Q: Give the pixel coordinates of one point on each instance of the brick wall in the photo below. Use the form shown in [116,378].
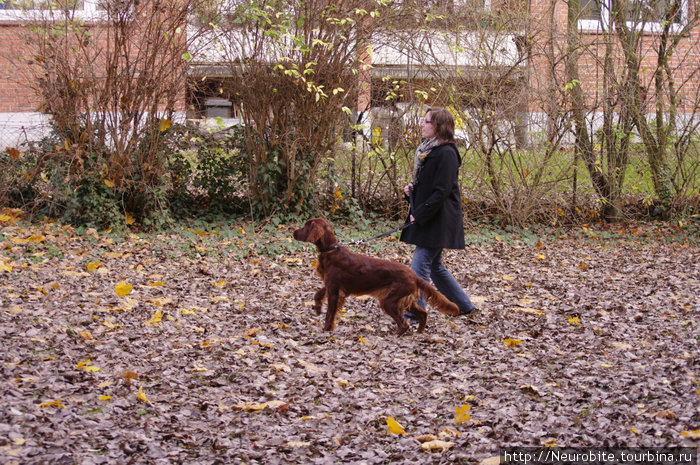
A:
[18,78]
[16,94]
[549,32]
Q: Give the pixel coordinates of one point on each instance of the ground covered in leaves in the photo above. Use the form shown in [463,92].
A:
[201,347]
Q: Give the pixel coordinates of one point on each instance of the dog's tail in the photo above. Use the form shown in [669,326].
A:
[435,298]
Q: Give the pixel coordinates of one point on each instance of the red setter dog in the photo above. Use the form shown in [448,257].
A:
[344,273]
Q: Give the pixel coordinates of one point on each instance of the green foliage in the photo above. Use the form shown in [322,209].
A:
[208,169]
[73,182]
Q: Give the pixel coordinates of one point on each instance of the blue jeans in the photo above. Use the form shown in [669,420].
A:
[427,263]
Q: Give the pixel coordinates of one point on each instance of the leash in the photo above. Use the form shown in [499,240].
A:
[379,236]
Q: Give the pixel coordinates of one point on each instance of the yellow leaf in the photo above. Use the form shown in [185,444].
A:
[248,406]
[461,415]
[156,284]
[93,266]
[53,403]
[81,365]
[165,124]
[5,267]
[221,283]
[362,340]
[540,257]
[108,183]
[184,311]
[105,398]
[394,427]
[109,324]
[122,289]
[695,434]
[606,365]
[437,445]
[91,368]
[508,278]
[634,430]
[512,342]
[129,219]
[155,319]
[574,321]
[142,396]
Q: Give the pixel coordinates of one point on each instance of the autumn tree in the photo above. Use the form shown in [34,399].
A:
[294,70]
[113,84]
[646,82]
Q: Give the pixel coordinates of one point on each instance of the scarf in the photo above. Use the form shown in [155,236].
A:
[421,152]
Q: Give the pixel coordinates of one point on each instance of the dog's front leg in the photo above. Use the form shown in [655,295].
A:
[318,299]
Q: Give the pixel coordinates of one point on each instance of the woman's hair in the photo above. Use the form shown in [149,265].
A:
[443,122]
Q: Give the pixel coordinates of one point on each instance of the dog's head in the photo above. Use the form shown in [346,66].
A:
[318,232]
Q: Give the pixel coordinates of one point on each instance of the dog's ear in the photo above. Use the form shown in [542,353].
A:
[314,231]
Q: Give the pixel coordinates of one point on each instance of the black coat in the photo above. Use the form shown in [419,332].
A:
[437,202]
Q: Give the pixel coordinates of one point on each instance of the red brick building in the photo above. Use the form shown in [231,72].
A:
[21,117]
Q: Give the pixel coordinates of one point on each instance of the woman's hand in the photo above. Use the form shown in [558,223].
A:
[408,188]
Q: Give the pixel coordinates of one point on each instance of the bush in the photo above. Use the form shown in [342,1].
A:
[208,172]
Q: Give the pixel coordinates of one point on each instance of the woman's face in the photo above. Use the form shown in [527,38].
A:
[427,128]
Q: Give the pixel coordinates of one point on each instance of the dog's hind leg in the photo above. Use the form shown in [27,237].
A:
[420,313]
[391,305]
[318,300]
[335,301]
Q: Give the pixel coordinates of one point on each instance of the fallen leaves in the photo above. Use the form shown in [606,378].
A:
[256,406]
[53,403]
[244,369]
[437,444]
[140,395]
[89,368]
[155,319]
[509,342]
[393,426]
[461,415]
[123,289]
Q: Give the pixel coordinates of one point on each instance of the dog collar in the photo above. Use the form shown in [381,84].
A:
[337,245]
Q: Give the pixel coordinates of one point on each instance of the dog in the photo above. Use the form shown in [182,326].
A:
[395,286]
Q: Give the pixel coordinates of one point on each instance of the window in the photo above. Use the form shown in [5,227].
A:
[23,10]
[40,5]
[648,15]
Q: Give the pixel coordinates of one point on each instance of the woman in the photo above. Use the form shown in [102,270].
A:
[437,214]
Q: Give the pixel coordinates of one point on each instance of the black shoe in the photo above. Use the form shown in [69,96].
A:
[410,318]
